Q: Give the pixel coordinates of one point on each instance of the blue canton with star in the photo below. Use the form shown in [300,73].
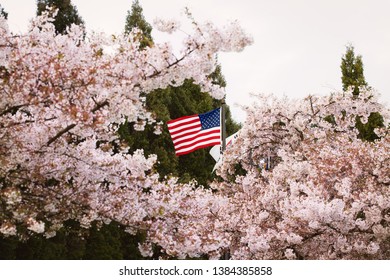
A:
[210,119]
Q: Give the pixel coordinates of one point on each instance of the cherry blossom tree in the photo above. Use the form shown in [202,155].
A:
[62,99]
[326,195]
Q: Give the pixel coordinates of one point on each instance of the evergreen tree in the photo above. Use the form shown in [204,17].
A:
[352,71]
[69,243]
[8,246]
[111,242]
[353,77]
[171,103]
[3,12]
[104,243]
[75,243]
[67,13]
[135,19]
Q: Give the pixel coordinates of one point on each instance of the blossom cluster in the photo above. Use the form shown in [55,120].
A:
[166,26]
[62,100]
[325,196]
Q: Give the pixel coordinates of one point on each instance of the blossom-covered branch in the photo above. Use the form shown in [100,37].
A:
[62,99]
[325,195]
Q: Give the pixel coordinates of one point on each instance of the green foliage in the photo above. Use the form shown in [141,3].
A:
[69,243]
[352,71]
[217,77]
[3,12]
[353,76]
[366,130]
[171,103]
[8,248]
[104,243]
[67,13]
[135,19]
[75,243]
[37,248]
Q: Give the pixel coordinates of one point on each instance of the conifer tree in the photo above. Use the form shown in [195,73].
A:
[104,243]
[353,77]
[136,19]
[171,103]
[67,13]
[352,71]
[3,12]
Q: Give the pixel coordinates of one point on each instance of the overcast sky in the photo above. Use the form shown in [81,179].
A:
[297,48]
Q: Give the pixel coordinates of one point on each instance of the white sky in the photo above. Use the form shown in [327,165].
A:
[297,48]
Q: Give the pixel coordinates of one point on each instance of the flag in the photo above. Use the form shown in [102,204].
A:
[216,151]
[194,132]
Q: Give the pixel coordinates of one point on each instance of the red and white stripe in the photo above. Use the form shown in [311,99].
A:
[187,135]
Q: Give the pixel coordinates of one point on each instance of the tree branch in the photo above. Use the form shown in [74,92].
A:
[156,73]
[12,109]
[99,106]
[71,126]
[60,133]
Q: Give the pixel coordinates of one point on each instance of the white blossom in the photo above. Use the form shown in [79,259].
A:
[8,229]
[35,226]
[168,26]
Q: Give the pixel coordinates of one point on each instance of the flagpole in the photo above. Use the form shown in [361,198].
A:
[223,125]
[223,132]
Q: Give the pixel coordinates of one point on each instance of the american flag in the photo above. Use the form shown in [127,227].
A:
[194,132]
